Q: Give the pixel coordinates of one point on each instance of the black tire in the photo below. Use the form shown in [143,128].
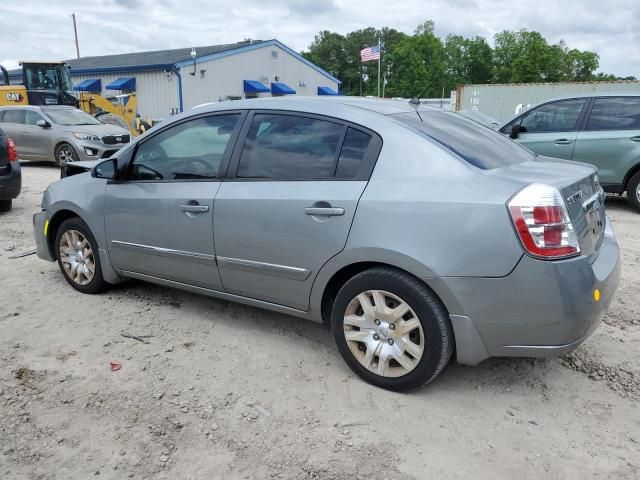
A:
[5,205]
[633,191]
[430,312]
[67,151]
[97,283]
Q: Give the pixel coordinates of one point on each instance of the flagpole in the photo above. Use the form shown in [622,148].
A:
[379,61]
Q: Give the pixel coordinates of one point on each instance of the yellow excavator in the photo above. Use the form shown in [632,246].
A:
[49,83]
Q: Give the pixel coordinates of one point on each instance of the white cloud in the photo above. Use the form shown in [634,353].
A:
[610,28]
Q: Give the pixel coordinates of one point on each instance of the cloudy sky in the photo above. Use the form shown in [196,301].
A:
[42,29]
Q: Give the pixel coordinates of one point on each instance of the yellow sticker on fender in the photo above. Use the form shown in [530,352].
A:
[46,227]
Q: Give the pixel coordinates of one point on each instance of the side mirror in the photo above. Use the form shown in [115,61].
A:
[516,130]
[43,124]
[106,169]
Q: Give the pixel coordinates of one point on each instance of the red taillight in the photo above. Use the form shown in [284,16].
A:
[11,150]
[542,222]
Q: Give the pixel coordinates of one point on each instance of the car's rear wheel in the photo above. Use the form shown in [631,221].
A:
[633,191]
[65,153]
[78,257]
[5,205]
[391,329]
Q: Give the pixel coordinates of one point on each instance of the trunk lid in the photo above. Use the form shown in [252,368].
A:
[578,185]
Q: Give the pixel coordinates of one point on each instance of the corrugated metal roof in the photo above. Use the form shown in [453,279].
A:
[155,59]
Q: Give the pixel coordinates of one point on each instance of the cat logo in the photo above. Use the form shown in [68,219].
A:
[14,97]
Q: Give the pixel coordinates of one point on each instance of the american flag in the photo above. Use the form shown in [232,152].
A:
[370,53]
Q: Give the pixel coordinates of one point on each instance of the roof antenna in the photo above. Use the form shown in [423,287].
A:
[415,101]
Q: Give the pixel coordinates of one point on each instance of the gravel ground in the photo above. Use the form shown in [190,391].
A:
[224,391]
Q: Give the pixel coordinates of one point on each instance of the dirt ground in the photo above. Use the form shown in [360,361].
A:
[223,391]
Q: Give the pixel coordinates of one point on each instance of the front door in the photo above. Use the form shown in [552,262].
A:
[551,129]
[611,138]
[289,207]
[37,138]
[159,221]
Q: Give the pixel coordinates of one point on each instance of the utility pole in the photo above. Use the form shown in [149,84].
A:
[75,31]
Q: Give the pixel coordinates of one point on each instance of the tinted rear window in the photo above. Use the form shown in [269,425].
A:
[615,113]
[481,146]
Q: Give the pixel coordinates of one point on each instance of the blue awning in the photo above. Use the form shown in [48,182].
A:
[91,85]
[278,88]
[128,84]
[254,86]
[327,91]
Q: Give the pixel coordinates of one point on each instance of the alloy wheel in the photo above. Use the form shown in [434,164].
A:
[65,154]
[383,333]
[77,257]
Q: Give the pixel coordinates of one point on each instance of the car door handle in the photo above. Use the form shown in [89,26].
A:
[195,208]
[563,141]
[24,131]
[635,139]
[327,211]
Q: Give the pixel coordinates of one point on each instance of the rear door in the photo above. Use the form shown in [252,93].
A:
[295,182]
[13,124]
[159,219]
[551,129]
[611,138]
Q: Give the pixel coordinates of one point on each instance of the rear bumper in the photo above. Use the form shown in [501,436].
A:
[40,223]
[541,309]
[10,181]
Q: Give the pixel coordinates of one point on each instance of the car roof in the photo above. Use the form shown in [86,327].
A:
[38,107]
[311,104]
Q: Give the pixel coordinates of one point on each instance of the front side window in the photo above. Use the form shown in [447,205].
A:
[554,117]
[31,117]
[615,113]
[189,150]
[14,116]
[290,147]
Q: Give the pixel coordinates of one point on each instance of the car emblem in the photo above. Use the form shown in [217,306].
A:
[575,197]
[118,139]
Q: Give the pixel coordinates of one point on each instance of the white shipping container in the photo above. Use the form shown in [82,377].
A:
[504,101]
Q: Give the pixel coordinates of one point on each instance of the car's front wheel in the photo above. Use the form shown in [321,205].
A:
[78,257]
[633,191]
[65,153]
[391,329]
[5,205]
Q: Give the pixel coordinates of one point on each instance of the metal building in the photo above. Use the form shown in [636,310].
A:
[504,101]
[170,81]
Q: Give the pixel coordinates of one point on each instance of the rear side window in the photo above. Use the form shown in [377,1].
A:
[615,113]
[559,116]
[353,153]
[1,115]
[480,146]
[290,147]
[13,116]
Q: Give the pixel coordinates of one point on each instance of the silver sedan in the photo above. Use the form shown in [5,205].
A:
[414,232]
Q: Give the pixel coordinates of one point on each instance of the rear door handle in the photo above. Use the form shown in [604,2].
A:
[563,141]
[327,211]
[635,139]
[195,208]
[24,131]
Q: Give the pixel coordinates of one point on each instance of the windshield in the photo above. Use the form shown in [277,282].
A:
[69,116]
[479,145]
